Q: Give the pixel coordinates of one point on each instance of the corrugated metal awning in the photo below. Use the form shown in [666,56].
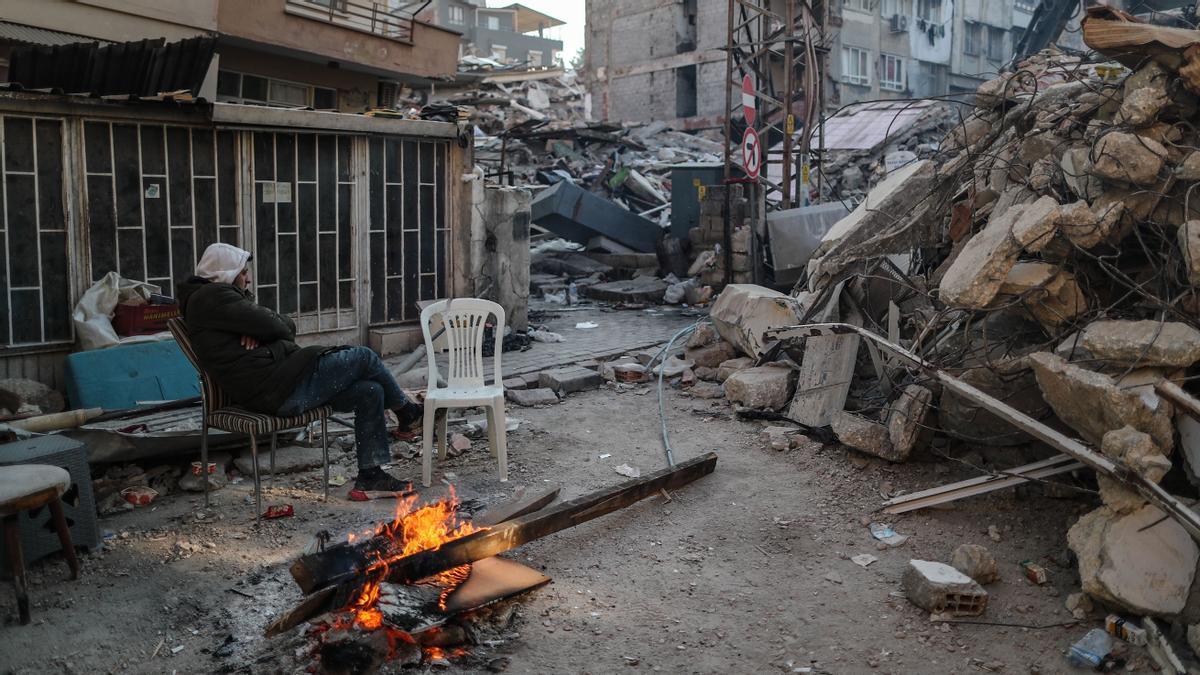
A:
[32,35]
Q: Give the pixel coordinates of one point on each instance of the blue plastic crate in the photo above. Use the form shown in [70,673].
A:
[119,377]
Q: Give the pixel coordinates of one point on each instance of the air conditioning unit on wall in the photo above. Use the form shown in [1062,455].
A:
[898,23]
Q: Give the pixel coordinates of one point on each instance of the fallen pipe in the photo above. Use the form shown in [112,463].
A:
[57,421]
[1153,493]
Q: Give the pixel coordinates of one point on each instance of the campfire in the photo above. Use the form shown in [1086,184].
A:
[404,616]
[428,584]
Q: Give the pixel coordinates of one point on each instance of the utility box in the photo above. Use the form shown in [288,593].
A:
[686,181]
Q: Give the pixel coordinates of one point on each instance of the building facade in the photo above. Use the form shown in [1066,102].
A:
[651,60]
[347,55]
[512,34]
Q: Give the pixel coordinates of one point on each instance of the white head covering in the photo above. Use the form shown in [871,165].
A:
[222,263]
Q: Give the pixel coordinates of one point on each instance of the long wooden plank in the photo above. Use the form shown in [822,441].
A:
[956,491]
[1153,493]
[978,480]
[568,514]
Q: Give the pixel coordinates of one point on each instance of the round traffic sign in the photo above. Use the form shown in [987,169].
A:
[748,100]
[751,153]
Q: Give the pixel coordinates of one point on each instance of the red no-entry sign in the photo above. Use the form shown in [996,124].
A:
[748,100]
[751,154]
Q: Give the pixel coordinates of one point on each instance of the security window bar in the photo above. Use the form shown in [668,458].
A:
[303,208]
[156,197]
[409,231]
[34,287]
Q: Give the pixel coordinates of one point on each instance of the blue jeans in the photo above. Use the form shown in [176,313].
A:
[352,380]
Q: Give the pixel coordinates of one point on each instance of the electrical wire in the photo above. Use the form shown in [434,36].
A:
[662,413]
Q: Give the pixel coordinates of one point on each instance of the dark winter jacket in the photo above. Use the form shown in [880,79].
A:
[217,316]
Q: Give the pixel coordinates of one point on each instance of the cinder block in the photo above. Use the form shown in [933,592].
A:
[940,588]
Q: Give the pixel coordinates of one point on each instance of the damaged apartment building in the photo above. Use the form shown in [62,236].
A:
[877,49]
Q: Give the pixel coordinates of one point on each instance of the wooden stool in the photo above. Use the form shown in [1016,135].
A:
[23,488]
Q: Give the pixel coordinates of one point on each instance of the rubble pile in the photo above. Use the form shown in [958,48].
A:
[848,174]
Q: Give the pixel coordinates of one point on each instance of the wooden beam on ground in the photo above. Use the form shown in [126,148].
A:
[1153,493]
[981,485]
[1175,394]
[505,536]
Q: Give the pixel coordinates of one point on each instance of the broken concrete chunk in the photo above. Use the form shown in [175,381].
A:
[976,275]
[711,355]
[976,562]
[939,588]
[1189,168]
[1076,166]
[644,289]
[1079,605]
[743,312]
[1143,343]
[704,335]
[764,388]
[1189,245]
[16,393]
[570,380]
[1034,228]
[1142,106]
[863,435]
[1128,158]
[970,422]
[1087,226]
[531,397]
[1050,294]
[777,438]
[1125,562]
[1138,451]
[732,366]
[1093,404]
[1118,496]
[904,419]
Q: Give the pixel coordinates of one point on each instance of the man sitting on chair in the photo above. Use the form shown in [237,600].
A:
[250,352]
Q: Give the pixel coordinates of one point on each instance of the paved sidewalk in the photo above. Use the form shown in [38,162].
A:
[617,332]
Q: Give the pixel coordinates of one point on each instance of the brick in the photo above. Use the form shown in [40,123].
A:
[531,397]
[570,380]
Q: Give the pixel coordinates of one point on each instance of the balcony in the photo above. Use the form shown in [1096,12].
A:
[391,19]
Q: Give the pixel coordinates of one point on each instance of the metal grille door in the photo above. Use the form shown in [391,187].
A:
[409,229]
[304,199]
[157,196]
[34,275]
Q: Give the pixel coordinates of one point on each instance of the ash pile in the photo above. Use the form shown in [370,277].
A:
[1047,257]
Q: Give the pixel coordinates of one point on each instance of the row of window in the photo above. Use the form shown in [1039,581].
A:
[458,17]
[930,10]
[233,87]
[974,44]
[856,69]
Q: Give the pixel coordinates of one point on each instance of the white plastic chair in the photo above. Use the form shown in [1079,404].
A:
[466,387]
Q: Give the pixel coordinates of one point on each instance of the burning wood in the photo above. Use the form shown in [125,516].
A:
[428,566]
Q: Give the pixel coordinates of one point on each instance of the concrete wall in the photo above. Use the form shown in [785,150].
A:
[434,51]
[500,249]
[117,20]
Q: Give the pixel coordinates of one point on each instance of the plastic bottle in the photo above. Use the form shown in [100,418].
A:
[1090,651]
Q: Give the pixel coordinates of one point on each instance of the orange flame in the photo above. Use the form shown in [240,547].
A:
[412,531]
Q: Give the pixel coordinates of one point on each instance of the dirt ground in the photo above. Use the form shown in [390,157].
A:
[745,571]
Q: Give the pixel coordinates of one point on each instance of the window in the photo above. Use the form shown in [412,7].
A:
[930,10]
[891,8]
[995,44]
[288,94]
[324,99]
[686,103]
[854,66]
[254,89]
[535,58]
[971,38]
[1017,34]
[556,57]
[499,52]
[891,73]
[493,23]
[457,15]
[859,5]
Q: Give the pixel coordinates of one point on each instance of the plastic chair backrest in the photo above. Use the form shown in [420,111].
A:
[463,320]
[214,398]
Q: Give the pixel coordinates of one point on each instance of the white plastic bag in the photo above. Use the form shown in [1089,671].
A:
[93,315]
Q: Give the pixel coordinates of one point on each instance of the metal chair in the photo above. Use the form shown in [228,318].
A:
[217,412]
[463,320]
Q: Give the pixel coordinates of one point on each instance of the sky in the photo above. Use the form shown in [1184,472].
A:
[571,11]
